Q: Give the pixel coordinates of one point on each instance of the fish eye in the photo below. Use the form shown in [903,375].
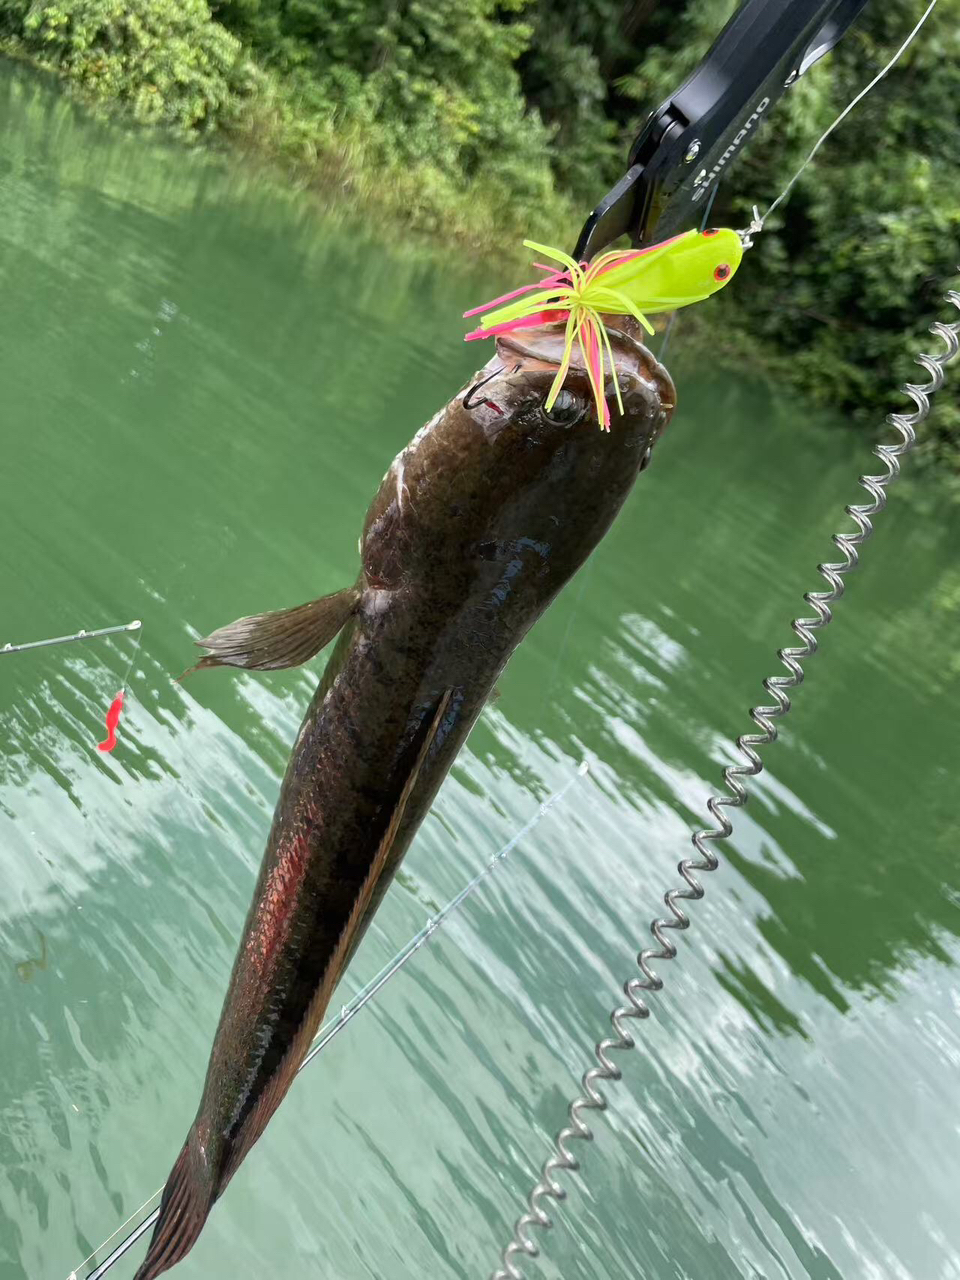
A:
[712,231]
[567,410]
[722,272]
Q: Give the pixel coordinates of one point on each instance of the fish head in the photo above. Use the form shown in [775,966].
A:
[530,360]
[495,469]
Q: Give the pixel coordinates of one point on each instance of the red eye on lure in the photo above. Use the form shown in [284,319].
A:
[113,719]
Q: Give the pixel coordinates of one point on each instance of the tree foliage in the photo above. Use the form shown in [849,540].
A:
[167,59]
[428,84]
[494,115]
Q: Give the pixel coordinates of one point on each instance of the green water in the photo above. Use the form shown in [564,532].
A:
[202,384]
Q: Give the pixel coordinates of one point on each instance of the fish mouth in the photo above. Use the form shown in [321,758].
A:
[544,346]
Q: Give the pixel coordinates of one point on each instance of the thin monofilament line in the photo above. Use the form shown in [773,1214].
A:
[758,225]
[113,1236]
[133,658]
[347,1011]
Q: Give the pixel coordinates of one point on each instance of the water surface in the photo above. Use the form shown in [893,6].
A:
[203,383]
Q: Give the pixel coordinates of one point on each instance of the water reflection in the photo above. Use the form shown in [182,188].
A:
[203,386]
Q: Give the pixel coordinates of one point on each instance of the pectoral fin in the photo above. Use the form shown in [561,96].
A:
[284,638]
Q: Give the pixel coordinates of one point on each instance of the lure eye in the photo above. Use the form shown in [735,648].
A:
[567,410]
[713,231]
[722,272]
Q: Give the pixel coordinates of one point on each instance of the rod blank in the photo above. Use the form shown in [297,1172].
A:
[135,625]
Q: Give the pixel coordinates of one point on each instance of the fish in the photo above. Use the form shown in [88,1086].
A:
[476,527]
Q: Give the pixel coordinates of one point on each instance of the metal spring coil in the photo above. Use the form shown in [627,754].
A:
[590,1098]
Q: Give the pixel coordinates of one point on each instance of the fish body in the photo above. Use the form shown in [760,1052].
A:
[477,525]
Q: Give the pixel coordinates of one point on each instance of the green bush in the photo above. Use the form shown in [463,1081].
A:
[428,84]
[166,59]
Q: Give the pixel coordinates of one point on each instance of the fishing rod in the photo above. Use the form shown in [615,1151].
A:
[135,625]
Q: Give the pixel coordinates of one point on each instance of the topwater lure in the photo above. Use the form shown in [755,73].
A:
[685,269]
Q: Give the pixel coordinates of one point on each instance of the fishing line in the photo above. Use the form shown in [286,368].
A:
[349,1010]
[116,706]
[756,225]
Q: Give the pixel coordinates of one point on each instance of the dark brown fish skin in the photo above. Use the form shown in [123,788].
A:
[476,527]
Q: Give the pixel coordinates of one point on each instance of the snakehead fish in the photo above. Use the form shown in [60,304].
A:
[477,525]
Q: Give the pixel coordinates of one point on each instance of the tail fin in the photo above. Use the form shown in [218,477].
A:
[187,1199]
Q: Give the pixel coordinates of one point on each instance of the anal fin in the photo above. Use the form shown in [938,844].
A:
[273,1095]
[284,638]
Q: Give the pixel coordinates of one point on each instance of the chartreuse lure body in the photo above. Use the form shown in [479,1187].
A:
[686,269]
